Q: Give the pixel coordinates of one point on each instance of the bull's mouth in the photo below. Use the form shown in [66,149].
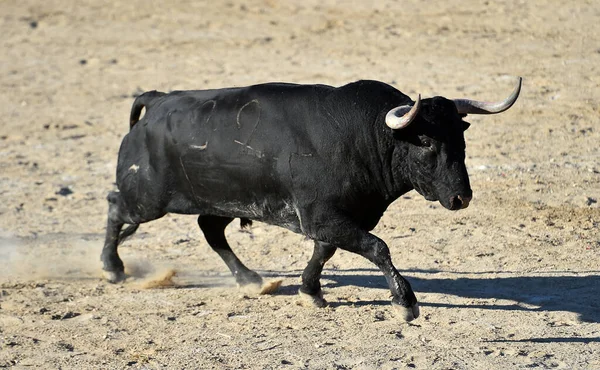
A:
[453,203]
[431,198]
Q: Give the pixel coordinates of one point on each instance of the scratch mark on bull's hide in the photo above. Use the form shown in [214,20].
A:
[210,114]
[188,179]
[256,102]
[258,153]
[199,147]
[199,120]
[212,109]
[134,168]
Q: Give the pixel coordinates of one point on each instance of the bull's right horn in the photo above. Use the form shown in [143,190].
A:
[468,106]
[400,117]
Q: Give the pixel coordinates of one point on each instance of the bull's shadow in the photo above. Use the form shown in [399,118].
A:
[577,294]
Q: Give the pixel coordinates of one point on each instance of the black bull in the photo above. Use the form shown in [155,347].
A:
[321,161]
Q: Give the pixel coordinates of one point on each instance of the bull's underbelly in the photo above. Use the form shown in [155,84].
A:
[237,190]
[280,213]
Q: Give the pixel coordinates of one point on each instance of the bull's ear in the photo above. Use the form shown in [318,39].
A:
[466,125]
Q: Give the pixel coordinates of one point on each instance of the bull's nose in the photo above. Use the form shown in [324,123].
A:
[459,202]
[465,201]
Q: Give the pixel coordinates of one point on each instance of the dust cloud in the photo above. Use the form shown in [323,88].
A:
[77,257]
[50,257]
[64,257]
[68,257]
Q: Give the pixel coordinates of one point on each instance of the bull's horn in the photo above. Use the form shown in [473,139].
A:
[400,117]
[466,106]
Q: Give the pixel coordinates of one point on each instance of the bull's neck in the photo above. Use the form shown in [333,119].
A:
[393,178]
[399,171]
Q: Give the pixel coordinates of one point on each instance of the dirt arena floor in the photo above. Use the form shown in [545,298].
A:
[511,282]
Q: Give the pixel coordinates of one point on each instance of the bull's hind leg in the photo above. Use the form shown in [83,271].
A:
[310,291]
[213,228]
[112,264]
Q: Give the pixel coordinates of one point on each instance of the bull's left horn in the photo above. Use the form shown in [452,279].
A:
[400,117]
[467,106]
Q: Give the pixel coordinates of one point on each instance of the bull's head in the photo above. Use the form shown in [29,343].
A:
[434,130]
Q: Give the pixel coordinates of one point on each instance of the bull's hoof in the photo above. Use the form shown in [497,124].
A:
[308,300]
[114,276]
[406,313]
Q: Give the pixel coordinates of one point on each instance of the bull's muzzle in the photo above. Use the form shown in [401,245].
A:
[459,202]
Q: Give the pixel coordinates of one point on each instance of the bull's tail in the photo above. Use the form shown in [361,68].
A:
[140,102]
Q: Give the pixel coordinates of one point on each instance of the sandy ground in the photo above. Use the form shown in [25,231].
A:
[511,282]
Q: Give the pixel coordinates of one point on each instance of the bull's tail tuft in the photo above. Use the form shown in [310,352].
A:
[140,102]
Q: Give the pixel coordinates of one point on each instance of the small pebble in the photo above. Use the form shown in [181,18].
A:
[64,191]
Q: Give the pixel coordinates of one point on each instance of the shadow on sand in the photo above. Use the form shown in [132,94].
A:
[566,292]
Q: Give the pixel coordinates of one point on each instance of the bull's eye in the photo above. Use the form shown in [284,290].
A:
[427,142]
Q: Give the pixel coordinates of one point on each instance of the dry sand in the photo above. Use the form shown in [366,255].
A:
[511,282]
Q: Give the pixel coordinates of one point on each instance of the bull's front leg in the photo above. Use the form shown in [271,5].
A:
[403,297]
[350,238]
